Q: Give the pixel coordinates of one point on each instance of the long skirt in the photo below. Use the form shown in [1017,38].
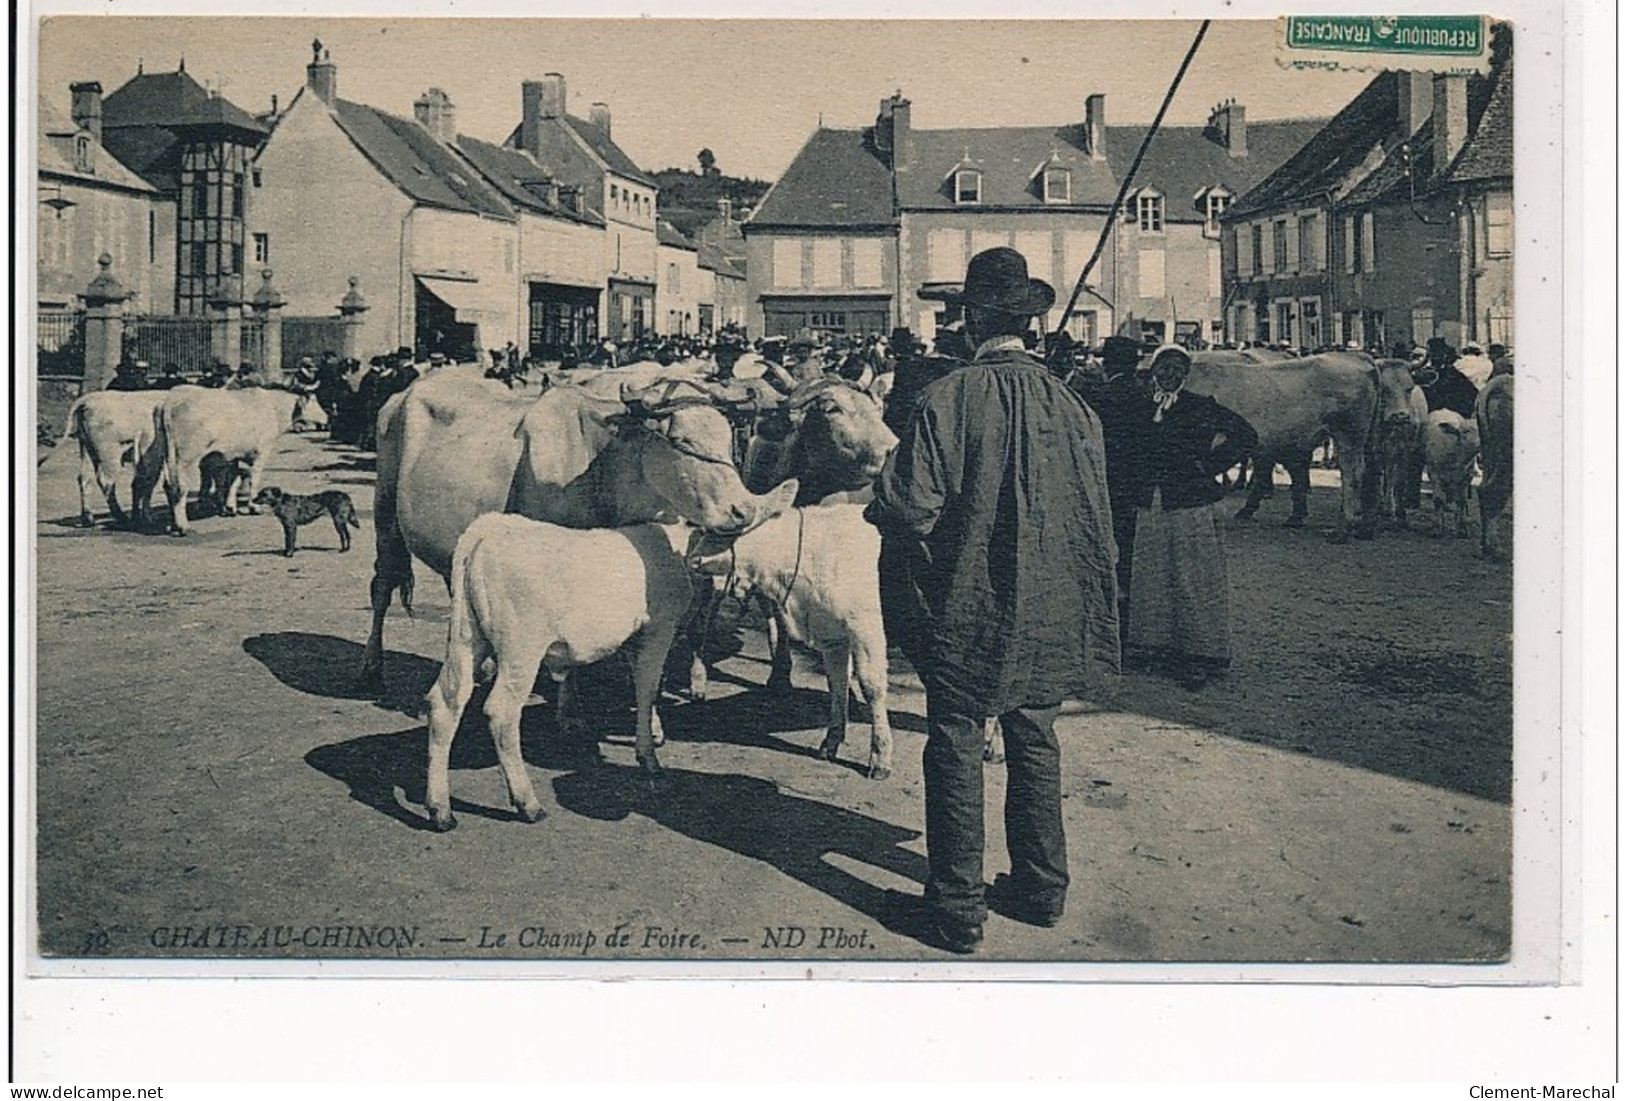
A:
[1180,596]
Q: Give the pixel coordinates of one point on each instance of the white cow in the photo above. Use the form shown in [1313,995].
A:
[190,422]
[113,427]
[820,567]
[526,593]
[1450,444]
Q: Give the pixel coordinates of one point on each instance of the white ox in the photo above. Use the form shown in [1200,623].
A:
[820,569]
[113,428]
[190,422]
[1450,443]
[1494,417]
[526,593]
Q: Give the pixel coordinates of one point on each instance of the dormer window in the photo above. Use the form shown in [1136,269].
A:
[81,153]
[1148,211]
[967,186]
[1212,202]
[1057,185]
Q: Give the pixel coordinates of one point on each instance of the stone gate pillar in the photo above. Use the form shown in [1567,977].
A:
[226,327]
[351,309]
[104,299]
[267,306]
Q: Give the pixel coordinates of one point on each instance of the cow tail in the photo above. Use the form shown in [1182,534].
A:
[464,626]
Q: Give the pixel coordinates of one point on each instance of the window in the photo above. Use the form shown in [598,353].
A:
[200,258]
[1149,210]
[1257,250]
[1218,201]
[1368,242]
[262,248]
[236,260]
[1309,315]
[945,256]
[1243,238]
[81,153]
[1057,185]
[1036,248]
[1422,324]
[674,278]
[1500,324]
[1152,268]
[866,263]
[258,178]
[237,195]
[826,257]
[1282,328]
[200,196]
[1498,225]
[1351,244]
[967,186]
[1215,273]
[615,195]
[1309,258]
[1278,245]
[787,262]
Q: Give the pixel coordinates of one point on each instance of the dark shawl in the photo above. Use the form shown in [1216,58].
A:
[998,563]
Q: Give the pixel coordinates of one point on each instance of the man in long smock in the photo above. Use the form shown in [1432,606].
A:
[999,565]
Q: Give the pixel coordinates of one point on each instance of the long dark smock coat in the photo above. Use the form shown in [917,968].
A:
[1003,591]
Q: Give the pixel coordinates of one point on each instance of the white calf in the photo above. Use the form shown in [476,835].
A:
[820,567]
[113,428]
[1450,444]
[524,593]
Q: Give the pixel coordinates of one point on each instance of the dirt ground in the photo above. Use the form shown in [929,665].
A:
[207,784]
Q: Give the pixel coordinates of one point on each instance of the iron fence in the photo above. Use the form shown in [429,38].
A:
[183,342]
[61,342]
[251,346]
[311,336]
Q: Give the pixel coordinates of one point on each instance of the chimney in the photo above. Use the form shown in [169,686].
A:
[883,127]
[902,135]
[530,117]
[1094,125]
[273,105]
[1415,101]
[321,75]
[1449,119]
[437,114]
[1227,125]
[725,208]
[87,107]
[554,101]
[598,115]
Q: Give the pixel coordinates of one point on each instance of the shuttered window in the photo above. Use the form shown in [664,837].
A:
[1368,242]
[1498,224]
[1244,250]
[1309,250]
[866,263]
[787,262]
[1152,268]
[945,256]
[1215,273]
[826,255]
[1035,249]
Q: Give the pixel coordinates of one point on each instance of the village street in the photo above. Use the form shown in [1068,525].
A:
[209,785]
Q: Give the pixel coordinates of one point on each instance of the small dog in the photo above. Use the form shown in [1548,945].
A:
[294,509]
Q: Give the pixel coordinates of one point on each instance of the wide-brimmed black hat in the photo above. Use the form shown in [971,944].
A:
[996,279]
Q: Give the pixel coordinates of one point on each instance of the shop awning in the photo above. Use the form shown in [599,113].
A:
[461,295]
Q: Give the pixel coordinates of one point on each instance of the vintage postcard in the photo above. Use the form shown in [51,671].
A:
[595,496]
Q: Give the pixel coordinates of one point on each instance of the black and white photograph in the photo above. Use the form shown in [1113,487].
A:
[783,496]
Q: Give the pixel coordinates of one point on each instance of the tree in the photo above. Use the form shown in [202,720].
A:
[708,162]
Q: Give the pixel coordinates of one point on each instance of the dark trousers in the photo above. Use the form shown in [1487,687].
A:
[954,836]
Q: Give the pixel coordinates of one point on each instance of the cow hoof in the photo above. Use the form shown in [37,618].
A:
[178,533]
[1294,521]
[86,520]
[530,814]
[830,750]
[228,512]
[442,820]
[879,772]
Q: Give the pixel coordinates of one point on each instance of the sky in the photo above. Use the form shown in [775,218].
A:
[751,91]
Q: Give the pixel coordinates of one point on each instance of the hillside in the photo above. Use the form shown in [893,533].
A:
[688,200]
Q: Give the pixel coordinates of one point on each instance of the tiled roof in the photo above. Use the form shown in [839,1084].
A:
[148,151]
[669,235]
[1184,161]
[1327,158]
[522,181]
[836,180]
[714,258]
[1488,153]
[415,162]
[172,100]
[1388,181]
[611,154]
[56,154]
[1009,159]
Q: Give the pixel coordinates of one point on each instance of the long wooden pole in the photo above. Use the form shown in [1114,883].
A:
[1128,179]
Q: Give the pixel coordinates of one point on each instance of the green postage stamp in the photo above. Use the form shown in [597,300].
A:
[1431,43]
